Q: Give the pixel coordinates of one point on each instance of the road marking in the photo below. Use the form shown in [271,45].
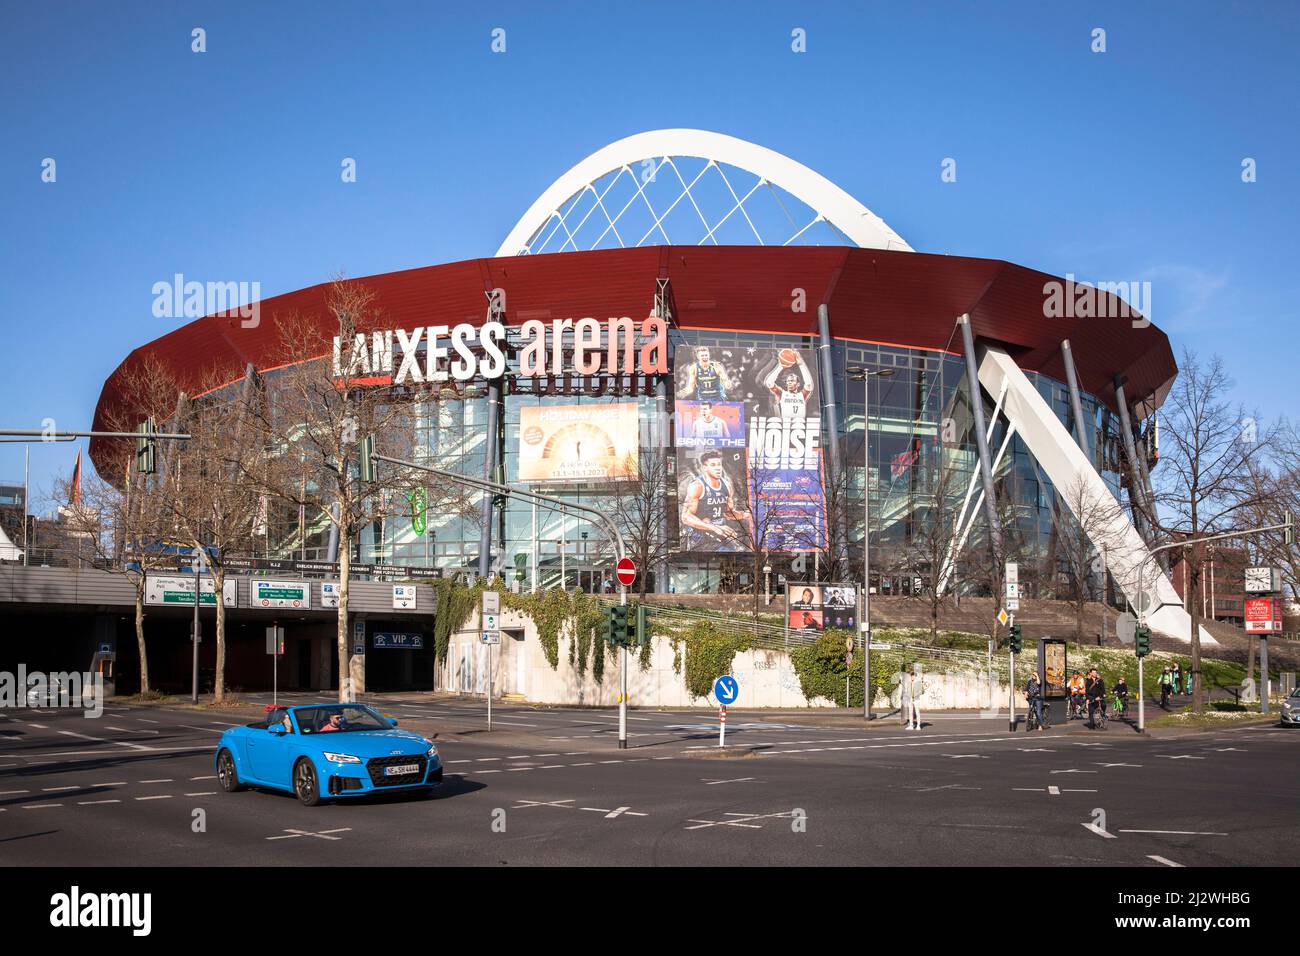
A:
[1119,765]
[551,766]
[1161,859]
[521,804]
[743,822]
[1036,750]
[481,772]
[1180,757]
[611,761]
[960,756]
[201,793]
[111,783]
[167,780]
[1177,832]
[37,726]
[41,806]
[1054,791]
[509,769]
[585,763]
[51,789]
[1098,830]
[617,811]
[714,783]
[161,796]
[1072,771]
[1080,743]
[322,835]
[209,777]
[466,760]
[1224,750]
[104,740]
[5,793]
[948,786]
[148,721]
[487,759]
[94,803]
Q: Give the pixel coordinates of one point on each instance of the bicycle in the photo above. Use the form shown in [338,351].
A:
[1075,707]
[1121,706]
[1031,721]
[1097,709]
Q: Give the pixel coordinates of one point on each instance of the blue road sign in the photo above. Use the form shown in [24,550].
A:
[726,689]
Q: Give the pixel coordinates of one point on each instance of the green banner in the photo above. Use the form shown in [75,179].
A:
[419,510]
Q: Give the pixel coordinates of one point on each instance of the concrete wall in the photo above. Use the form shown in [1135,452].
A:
[767,677]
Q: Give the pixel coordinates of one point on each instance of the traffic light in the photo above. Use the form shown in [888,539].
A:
[619,624]
[1142,640]
[1017,645]
[146,448]
[639,634]
[1288,529]
[365,463]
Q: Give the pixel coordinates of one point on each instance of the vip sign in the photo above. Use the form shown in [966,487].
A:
[466,351]
[404,597]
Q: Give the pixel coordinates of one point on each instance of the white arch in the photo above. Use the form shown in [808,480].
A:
[829,201]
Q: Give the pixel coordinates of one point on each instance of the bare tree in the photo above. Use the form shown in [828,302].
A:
[1089,524]
[641,512]
[312,426]
[1204,481]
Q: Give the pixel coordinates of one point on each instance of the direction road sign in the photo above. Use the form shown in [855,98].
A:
[726,689]
[1125,627]
[626,571]
[490,637]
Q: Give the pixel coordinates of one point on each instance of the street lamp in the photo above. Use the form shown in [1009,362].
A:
[860,373]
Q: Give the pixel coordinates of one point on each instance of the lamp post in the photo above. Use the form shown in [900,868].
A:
[860,373]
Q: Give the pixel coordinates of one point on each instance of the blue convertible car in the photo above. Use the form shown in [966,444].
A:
[326,750]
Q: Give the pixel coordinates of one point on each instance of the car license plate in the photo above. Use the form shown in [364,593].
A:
[400,769]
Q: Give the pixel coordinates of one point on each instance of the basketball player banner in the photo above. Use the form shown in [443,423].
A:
[578,443]
[748,439]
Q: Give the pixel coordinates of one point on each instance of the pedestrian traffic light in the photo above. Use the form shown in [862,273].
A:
[365,461]
[1017,645]
[1142,640]
[146,448]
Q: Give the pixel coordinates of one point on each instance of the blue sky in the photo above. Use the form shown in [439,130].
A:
[1123,165]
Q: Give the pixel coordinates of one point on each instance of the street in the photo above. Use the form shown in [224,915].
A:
[550,787]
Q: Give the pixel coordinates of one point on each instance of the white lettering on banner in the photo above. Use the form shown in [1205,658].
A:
[789,443]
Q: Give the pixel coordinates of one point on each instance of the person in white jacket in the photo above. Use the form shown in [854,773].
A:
[914,691]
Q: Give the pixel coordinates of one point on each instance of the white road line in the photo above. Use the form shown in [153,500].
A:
[5,793]
[1161,859]
[714,783]
[481,772]
[1054,791]
[201,793]
[209,777]
[111,783]
[487,759]
[1177,832]
[41,806]
[104,740]
[585,763]
[165,780]
[94,803]
[161,796]
[1098,830]
[148,721]
[611,761]
[52,789]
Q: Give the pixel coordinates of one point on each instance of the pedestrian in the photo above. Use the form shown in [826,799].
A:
[904,698]
[1188,680]
[915,690]
[1176,678]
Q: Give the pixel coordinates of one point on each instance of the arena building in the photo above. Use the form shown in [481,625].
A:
[688,297]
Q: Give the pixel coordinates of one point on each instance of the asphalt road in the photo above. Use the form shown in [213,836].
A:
[550,787]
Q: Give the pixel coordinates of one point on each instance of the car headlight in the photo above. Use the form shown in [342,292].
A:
[341,758]
[433,749]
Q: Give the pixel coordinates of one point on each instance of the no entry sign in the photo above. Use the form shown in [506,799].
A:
[626,571]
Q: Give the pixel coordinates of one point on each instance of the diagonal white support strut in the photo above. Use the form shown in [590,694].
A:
[1129,561]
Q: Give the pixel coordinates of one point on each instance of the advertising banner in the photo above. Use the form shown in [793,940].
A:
[763,402]
[1054,676]
[293,594]
[578,443]
[815,607]
[1263,615]
[179,590]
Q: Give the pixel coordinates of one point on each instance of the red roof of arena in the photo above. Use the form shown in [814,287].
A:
[908,299]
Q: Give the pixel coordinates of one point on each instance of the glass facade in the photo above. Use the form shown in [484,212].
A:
[921,467]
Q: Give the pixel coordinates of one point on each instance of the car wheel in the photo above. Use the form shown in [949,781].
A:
[227,774]
[304,783]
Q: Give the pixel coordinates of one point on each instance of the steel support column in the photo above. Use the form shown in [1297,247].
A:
[831,411]
[1137,488]
[986,468]
[1076,404]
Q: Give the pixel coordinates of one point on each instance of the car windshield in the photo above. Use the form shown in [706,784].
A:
[338,718]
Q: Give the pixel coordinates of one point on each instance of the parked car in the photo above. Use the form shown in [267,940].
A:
[1291,709]
[326,751]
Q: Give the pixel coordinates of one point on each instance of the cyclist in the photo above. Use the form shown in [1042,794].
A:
[1121,697]
[1166,687]
[1034,695]
[1096,692]
[1077,687]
